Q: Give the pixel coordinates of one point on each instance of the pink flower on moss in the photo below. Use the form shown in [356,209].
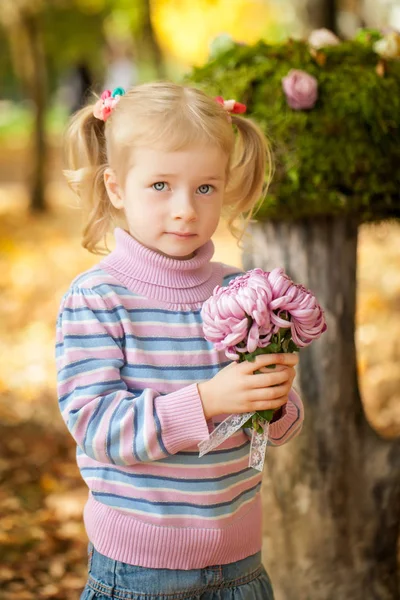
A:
[301,89]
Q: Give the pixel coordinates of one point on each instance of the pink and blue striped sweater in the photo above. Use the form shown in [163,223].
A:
[130,351]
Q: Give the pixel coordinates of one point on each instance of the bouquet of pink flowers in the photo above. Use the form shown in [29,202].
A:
[261,312]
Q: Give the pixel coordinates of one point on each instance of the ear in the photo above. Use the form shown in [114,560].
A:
[113,189]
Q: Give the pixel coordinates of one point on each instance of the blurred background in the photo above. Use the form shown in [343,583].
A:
[53,55]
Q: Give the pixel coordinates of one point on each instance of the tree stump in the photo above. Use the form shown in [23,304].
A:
[332,495]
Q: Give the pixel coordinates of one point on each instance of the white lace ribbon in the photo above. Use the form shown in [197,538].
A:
[227,428]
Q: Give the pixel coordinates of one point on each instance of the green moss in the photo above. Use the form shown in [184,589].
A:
[342,156]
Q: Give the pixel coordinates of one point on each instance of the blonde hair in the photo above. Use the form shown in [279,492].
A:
[170,117]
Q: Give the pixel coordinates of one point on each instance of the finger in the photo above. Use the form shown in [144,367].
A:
[291,371]
[263,360]
[269,405]
[269,393]
[275,370]
[262,380]
[289,359]
[279,368]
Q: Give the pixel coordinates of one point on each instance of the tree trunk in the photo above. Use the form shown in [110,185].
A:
[26,45]
[322,13]
[332,495]
[149,41]
[37,84]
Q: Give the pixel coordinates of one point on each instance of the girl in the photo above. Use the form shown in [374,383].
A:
[138,385]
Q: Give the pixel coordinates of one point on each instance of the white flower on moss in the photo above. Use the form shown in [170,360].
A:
[319,38]
[388,46]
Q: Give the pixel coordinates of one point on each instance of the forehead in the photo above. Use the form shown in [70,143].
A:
[205,160]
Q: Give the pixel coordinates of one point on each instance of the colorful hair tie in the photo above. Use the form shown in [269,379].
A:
[231,106]
[108,101]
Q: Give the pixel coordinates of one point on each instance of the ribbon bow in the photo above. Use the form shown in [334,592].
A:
[231,106]
[108,101]
[259,441]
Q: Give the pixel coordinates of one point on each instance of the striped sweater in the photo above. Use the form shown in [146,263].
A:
[130,351]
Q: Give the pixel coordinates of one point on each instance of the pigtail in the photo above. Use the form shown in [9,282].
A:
[86,161]
[250,175]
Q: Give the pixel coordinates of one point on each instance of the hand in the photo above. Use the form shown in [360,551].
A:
[236,389]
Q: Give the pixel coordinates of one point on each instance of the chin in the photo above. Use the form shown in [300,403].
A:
[182,256]
[179,253]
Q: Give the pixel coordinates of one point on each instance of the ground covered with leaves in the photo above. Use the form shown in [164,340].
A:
[42,540]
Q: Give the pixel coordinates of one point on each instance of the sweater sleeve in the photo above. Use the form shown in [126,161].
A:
[289,423]
[108,422]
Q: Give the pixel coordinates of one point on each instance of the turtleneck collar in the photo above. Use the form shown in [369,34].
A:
[148,273]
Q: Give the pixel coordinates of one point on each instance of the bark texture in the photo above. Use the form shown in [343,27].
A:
[322,13]
[332,495]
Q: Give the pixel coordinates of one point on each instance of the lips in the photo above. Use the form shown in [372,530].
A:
[181,234]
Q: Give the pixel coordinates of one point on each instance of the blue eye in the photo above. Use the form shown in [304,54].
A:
[205,189]
[159,186]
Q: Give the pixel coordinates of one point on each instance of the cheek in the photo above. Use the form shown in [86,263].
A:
[139,213]
[214,211]
[143,212]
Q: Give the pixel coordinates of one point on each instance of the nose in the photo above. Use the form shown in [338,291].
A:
[183,206]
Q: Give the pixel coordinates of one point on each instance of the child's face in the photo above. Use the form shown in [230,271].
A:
[167,194]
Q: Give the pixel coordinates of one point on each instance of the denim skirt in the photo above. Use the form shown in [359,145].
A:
[246,579]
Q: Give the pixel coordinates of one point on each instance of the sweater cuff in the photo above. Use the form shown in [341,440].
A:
[278,414]
[182,419]
[281,429]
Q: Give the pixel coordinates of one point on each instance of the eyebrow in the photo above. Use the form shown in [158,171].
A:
[168,175]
